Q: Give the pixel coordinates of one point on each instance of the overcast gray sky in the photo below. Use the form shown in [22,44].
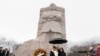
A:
[19,18]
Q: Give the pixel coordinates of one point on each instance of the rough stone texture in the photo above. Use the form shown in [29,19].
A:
[51,25]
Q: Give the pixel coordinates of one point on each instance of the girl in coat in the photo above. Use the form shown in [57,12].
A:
[61,52]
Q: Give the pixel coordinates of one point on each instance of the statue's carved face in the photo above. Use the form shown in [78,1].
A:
[51,15]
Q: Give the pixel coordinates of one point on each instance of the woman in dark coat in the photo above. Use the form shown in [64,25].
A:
[61,52]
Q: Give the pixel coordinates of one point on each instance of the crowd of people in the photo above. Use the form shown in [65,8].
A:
[94,51]
[4,52]
[57,51]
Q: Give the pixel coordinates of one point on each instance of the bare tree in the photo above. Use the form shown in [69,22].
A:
[10,44]
[74,51]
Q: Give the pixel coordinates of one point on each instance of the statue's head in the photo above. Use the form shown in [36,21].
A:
[53,15]
[52,12]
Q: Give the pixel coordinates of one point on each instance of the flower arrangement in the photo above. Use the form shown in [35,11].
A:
[40,52]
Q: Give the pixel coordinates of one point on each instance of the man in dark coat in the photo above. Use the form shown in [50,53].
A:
[54,52]
[91,51]
[5,52]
